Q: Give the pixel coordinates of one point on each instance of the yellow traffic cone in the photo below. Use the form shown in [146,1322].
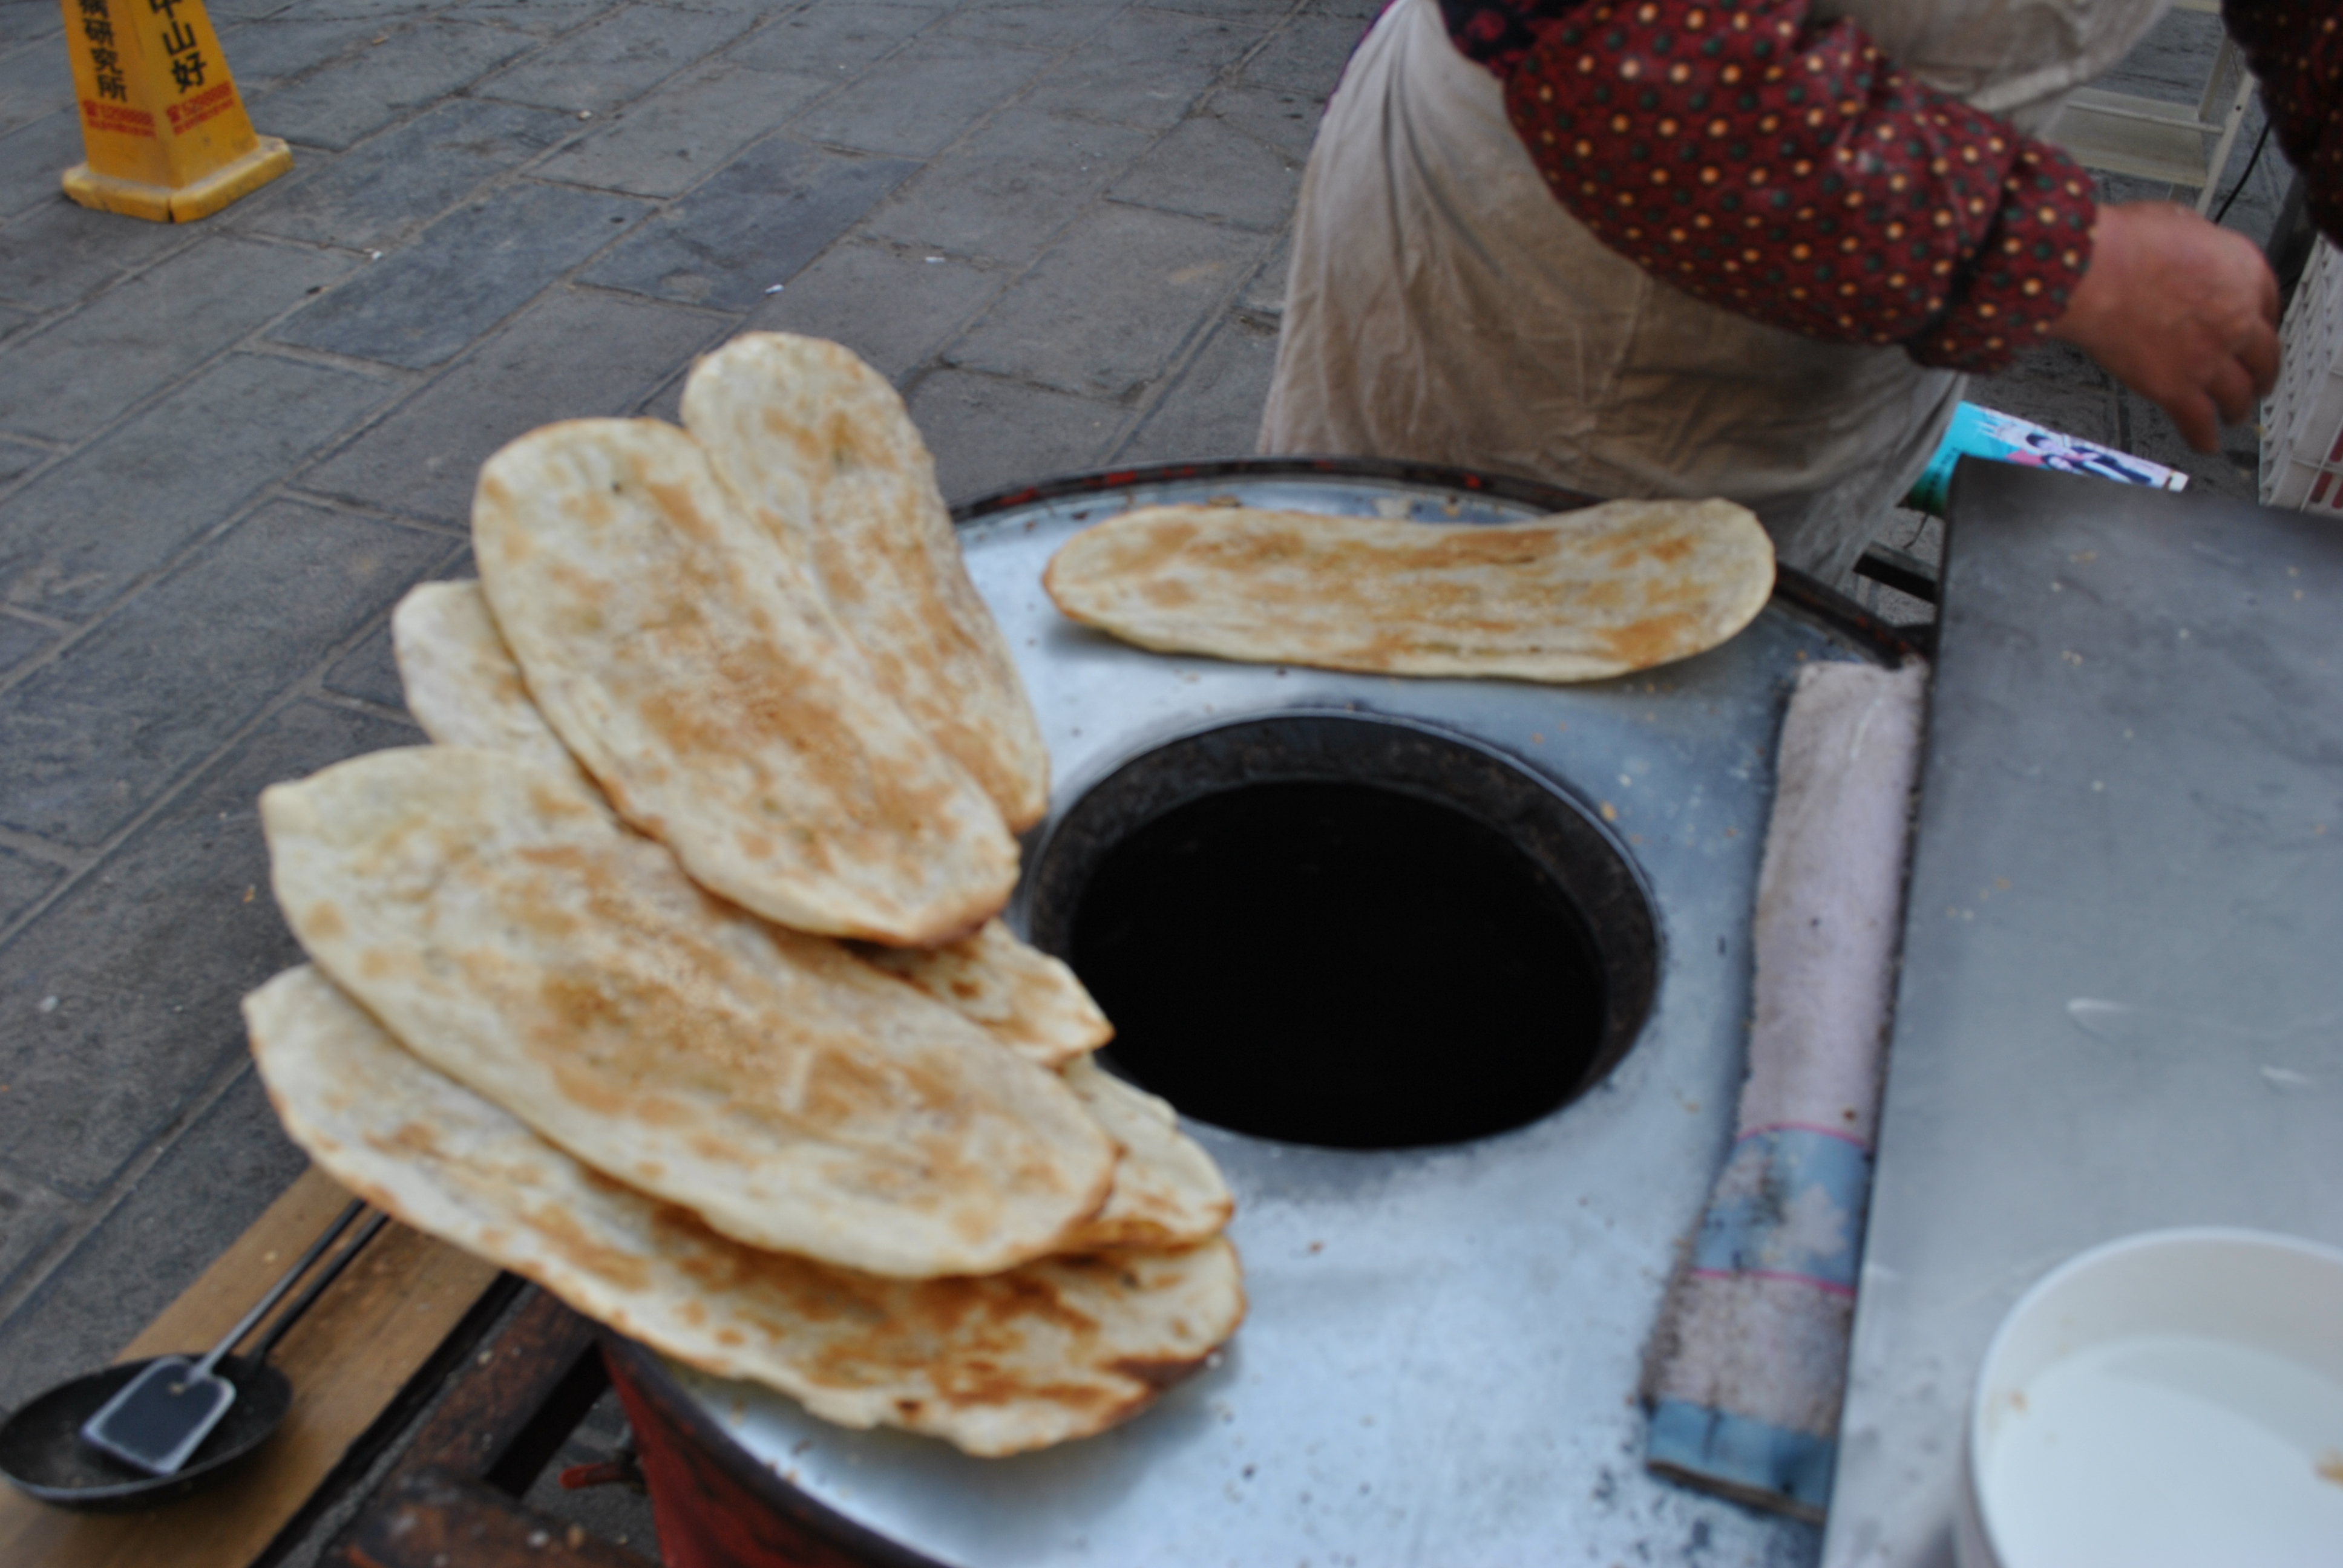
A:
[166,135]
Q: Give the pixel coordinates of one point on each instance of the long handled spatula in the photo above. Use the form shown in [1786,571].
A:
[163,1414]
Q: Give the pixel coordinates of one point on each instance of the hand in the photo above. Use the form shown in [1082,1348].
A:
[2180,311]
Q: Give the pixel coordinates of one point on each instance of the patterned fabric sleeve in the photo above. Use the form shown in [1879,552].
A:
[2296,51]
[1781,167]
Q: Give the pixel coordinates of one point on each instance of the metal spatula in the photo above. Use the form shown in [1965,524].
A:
[163,1414]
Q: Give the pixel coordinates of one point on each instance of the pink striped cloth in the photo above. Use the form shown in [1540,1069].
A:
[1748,1367]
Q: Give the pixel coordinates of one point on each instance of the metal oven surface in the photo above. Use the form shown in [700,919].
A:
[1440,1358]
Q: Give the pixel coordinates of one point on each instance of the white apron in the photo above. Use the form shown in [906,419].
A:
[1443,307]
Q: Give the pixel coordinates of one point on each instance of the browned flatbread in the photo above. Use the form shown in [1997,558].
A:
[464,688]
[1057,1349]
[462,685]
[511,932]
[822,450]
[1018,994]
[692,667]
[1579,596]
[1167,1192]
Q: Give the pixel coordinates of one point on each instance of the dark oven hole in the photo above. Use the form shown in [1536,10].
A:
[1348,932]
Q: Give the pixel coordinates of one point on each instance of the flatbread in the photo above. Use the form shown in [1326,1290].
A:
[691,666]
[1015,992]
[1579,596]
[1167,1192]
[515,936]
[462,685]
[1054,1350]
[464,688]
[825,454]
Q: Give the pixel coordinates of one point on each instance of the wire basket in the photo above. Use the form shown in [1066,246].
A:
[2302,423]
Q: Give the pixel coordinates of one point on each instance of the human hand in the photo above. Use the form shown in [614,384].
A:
[2179,310]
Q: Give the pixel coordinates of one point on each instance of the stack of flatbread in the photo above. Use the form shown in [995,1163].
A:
[671,975]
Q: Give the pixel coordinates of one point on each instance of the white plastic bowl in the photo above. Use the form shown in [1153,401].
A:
[2173,1399]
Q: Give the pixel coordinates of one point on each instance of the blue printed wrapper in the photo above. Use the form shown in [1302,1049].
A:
[1979,432]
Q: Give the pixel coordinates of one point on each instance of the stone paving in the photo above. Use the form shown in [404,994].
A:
[226,448]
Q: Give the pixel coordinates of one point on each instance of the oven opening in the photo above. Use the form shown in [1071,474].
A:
[1348,932]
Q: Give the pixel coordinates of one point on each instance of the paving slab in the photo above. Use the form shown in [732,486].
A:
[421,305]
[2150,433]
[1035,24]
[65,383]
[369,671]
[894,308]
[24,20]
[1207,167]
[756,222]
[832,42]
[1005,191]
[262,55]
[35,80]
[1213,410]
[31,1218]
[672,138]
[17,458]
[1263,298]
[989,434]
[33,158]
[76,539]
[225,11]
[539,18]
[59,253]
[1104,312]
[376,12]
[1251,10]
[147,956]
[90,738]
[415,63]
[616,59]
[568,356]
[22,882]
[390,183]
[2172,61]
[1281,116]
[1307,55]
[1146,68]
[2055,384]
[928,93]
[20,639]
[199,1198]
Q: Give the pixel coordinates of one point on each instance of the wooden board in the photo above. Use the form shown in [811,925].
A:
[348,1359]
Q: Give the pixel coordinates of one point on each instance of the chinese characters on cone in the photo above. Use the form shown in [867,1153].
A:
[164,133]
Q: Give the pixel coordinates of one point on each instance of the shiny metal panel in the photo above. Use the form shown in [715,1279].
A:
[2122,996]
[1441,1359]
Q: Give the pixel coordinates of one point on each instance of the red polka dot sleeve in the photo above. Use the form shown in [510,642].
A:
[2296,54]
[1782,168]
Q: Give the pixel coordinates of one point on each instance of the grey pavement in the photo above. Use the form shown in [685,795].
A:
[226,448]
